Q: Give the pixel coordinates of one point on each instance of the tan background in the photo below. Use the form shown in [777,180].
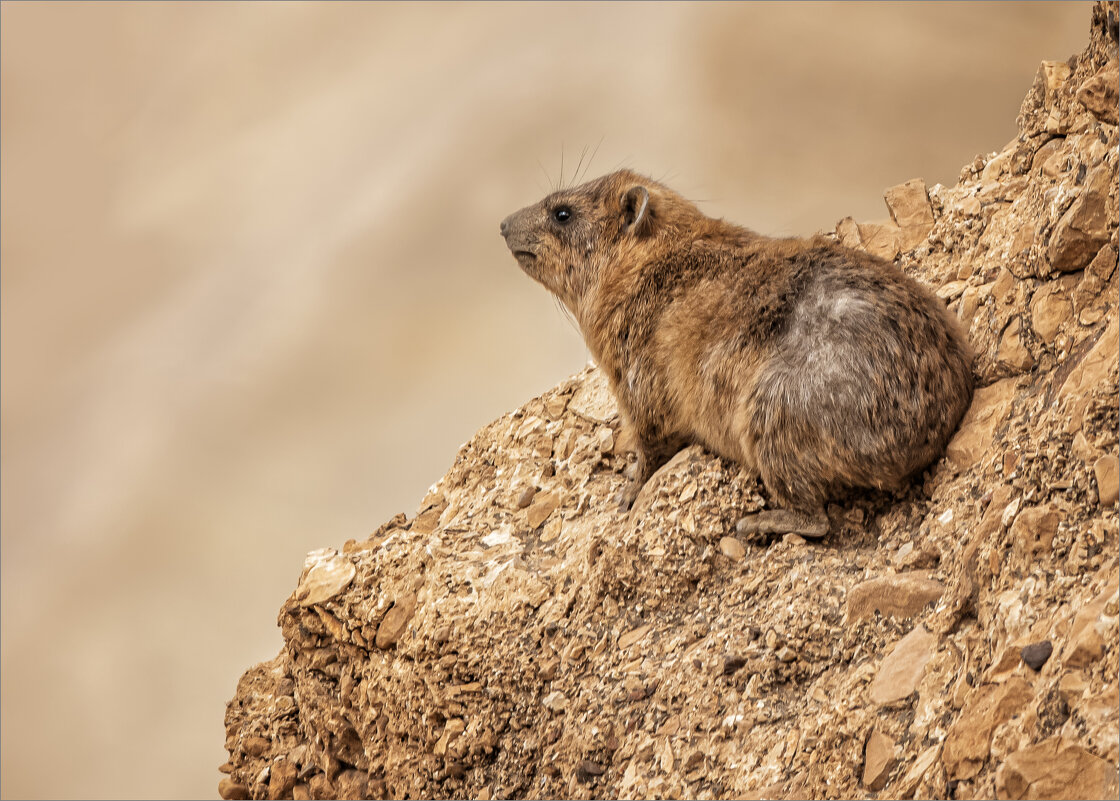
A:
[254,296]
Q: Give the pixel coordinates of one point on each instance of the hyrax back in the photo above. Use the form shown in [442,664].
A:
[819,367]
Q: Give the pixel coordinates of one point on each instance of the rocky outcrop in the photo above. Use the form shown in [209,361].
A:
[518,636]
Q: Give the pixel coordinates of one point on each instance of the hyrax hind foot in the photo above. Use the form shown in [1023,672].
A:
[785,521]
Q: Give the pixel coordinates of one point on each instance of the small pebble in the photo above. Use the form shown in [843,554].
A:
[732,662]
[732,548]
[255,746]
[555,701]
[230,789]
[526,497]
[1035,655]
[588,770]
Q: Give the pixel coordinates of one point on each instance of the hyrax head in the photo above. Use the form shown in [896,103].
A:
[566,240]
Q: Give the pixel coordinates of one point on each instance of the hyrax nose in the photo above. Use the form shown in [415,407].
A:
[505,226]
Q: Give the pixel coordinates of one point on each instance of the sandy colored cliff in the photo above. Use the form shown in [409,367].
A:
[518,637]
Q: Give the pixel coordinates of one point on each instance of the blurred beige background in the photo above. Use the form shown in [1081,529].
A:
[254,296]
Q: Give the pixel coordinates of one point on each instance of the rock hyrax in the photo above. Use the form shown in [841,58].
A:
[818,367]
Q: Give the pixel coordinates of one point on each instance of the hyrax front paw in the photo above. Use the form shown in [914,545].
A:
[627,495]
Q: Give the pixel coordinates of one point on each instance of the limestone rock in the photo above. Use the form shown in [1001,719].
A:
[1084,229]
[352,784]
[732,548]
[427,521]
[593,399]
[878,760]
[1033,530]
[326,573]
[526,497]
[990,406]
[1054,75]
[910,210]
[281,779]
[917,772]
[847,232]
[1071,687]
[1056,768]
[1085,643]
[632,637]
[1100,95]
[882,239]
[901,595]
[969,303]
[1098,362]
[1041,110]
[1051,307]
[229,789]
[902,668]
[1098,288]
[394,623]
[542,505]
[1013,351]
[952,290]
[969,739]
[1106,470]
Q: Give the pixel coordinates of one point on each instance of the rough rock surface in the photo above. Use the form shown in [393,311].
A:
[520,637]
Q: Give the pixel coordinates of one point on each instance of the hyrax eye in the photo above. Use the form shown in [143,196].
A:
[562,214]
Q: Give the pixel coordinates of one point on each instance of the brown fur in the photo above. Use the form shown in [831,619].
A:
[816,366]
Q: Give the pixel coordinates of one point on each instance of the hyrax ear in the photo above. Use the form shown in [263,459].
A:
[637,217]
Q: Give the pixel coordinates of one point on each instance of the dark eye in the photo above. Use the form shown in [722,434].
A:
[562,214]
